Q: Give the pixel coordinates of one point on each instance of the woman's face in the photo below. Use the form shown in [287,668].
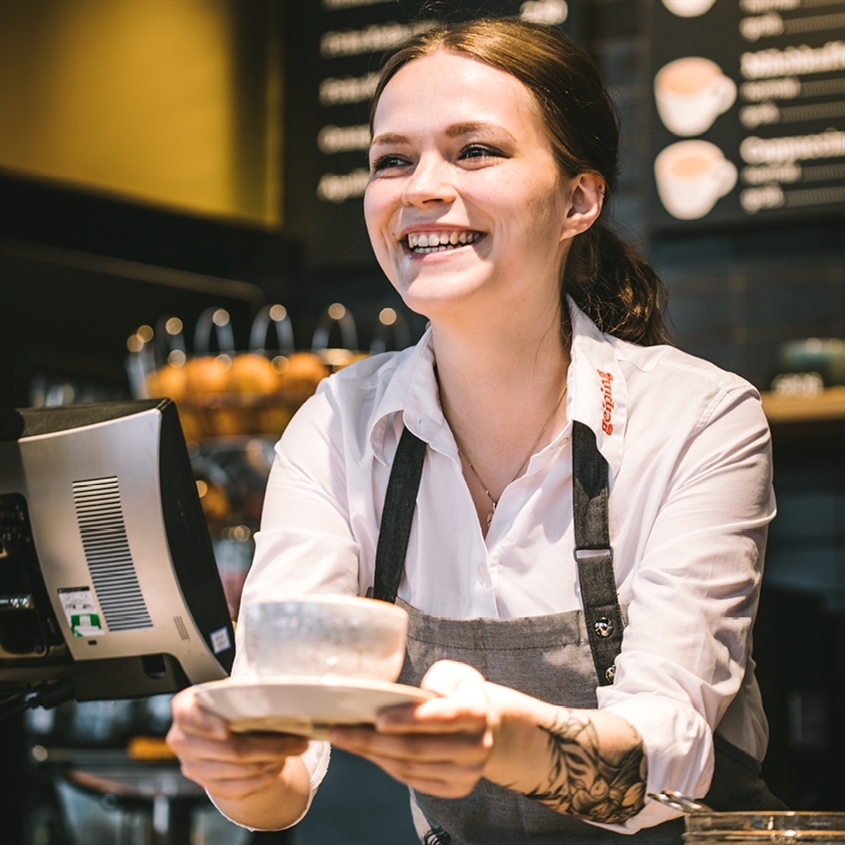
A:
[465,201]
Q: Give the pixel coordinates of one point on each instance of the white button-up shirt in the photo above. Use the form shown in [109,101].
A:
[688,451]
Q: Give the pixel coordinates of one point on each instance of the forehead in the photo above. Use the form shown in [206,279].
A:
[448,88]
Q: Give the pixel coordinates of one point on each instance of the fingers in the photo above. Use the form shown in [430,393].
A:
[439,747]
[237,748]
[467,748]
[235,767]
[195,720]
[228,765]
[461,706]
[433,717]
[446,677]
[243,778]
[448,766]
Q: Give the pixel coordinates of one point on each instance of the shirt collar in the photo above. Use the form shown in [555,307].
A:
[597,394]
[413,395]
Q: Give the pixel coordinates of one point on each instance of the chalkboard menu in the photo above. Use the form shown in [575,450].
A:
[333,50]
[749,110]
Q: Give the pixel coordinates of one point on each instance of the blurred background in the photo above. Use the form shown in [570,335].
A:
[180,186]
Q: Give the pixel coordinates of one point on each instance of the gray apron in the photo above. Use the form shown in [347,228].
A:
[559,658]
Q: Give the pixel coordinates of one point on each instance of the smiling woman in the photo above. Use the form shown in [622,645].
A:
[612,283]
[466,208]
[572,514]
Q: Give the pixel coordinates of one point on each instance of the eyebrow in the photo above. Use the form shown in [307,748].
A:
[453,131]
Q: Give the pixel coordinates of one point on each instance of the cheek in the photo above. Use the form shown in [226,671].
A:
[374,217]
[547,209]
[370,207]
[377,220]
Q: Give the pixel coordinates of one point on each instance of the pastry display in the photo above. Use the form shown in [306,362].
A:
[225,393]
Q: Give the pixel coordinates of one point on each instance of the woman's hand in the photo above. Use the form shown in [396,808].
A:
[256,779]
[439,747]
[585,763]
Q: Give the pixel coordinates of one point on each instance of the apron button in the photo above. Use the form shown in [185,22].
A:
[610,673]
[603,627]
[482,571]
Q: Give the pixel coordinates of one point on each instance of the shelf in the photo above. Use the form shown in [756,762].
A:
[827,405]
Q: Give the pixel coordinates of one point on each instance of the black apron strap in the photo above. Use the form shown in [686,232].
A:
[736,783]
[593,552]
[590,493]
[397,515]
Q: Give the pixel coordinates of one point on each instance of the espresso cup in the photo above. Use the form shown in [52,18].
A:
[691,93]
[320,636]
[691,176]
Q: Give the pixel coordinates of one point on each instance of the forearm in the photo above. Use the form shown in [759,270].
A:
[583,763]
[275,805]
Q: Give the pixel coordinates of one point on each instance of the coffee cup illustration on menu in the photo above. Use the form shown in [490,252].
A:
[691,93]
[691,177]
[688,8]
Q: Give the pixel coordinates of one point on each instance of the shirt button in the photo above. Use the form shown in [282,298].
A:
[482,571]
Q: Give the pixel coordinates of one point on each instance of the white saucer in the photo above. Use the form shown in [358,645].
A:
[302,706]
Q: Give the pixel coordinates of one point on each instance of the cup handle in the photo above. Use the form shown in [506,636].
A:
[727,93]
[728,177]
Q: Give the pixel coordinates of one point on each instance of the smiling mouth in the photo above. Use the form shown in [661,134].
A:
[426,242]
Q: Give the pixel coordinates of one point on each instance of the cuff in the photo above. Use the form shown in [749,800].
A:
[679,751]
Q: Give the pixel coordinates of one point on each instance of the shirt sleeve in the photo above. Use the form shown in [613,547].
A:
[305,544]
[693,600]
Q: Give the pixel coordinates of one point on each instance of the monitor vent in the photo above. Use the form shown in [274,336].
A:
[100,517]
[180,627]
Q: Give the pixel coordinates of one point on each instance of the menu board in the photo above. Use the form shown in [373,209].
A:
[748,110]
[333,50]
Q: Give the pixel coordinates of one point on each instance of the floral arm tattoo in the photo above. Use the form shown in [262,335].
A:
[585,784]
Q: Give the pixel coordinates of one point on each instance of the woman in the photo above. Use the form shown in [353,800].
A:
[539,395]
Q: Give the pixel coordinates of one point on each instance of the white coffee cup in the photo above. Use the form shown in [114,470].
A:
[691,93]
[688,8]
[319,636]
[691,176]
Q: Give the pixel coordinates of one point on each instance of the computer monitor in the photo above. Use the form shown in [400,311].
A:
[108,583]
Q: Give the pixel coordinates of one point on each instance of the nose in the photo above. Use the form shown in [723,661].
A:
[430,182]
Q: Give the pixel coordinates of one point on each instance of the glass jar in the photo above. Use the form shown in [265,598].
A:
[765,827]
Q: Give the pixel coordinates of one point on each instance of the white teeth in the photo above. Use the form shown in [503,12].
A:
[434,241]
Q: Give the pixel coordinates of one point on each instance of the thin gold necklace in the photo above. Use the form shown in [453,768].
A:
[521,466]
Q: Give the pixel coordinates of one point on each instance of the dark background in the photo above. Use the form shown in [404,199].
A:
[80,271]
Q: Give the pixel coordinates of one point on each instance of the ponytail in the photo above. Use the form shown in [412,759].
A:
[615,287]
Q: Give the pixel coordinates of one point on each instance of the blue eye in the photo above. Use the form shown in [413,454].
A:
[479,151]
[387,161]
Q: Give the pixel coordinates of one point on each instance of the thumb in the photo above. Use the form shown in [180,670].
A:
[446,677]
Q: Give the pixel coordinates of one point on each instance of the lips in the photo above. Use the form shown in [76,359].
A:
[426,242]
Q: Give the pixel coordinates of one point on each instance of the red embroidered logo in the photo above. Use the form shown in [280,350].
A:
[607,401]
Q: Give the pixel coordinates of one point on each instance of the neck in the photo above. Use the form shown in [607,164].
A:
[487,368]
[501,392]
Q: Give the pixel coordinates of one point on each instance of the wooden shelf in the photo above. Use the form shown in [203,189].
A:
[827,405]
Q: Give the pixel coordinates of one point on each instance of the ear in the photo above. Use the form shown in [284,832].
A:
[585,204]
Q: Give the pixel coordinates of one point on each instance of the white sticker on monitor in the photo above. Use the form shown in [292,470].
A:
[81,611]
[220,640]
